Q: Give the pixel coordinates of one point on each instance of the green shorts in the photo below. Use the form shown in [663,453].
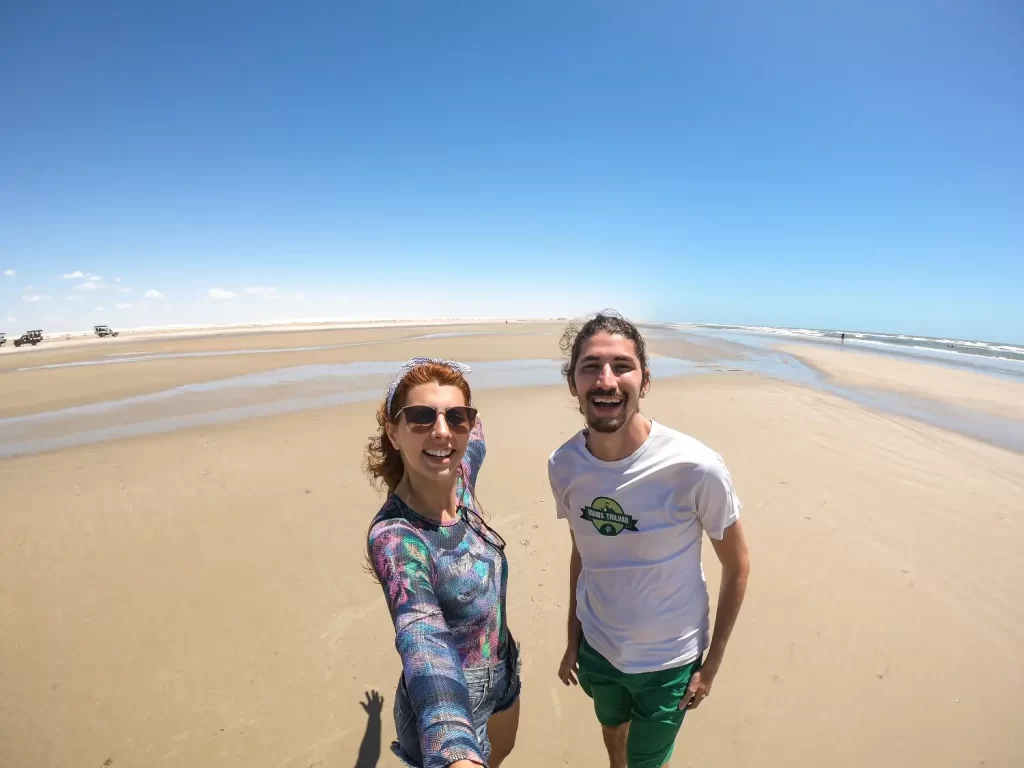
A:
[649,701]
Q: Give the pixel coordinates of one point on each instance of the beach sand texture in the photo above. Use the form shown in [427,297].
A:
[980,391]
[199,598]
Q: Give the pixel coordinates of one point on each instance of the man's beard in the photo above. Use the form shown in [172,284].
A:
[609,424]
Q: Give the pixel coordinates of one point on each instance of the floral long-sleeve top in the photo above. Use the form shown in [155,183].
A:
[445,586]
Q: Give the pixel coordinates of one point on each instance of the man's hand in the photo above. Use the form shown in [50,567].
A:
[569,669]
[698,689]
[732,554]
[570,666]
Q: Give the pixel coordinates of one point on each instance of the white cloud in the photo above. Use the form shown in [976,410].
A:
[97,278]
[126,305]
[220,293]
[9,273]
[35,298]
[124,289]
[143,305]
[151,294]
[75,298]
[117,279]
[86,286]
[72,275]
[98,309]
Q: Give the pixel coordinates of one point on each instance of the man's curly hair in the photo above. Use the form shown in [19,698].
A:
[609,321]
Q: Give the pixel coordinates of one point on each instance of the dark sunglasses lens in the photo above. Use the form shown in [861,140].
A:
[460,418]
[421,415]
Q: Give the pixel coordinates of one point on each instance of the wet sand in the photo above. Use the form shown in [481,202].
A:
[109,378]
[198,598]
[87,373]
[979,391]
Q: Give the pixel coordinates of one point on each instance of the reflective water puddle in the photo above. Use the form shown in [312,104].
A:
[255,395]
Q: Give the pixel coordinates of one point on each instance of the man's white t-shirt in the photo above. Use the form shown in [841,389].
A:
[638,523]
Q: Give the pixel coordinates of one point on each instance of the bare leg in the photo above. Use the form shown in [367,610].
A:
[615,737]
[501,730]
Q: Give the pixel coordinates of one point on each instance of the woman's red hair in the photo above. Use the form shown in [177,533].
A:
[383,461]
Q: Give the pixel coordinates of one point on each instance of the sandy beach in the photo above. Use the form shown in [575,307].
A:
[197,598]
[959,387]
[100,369]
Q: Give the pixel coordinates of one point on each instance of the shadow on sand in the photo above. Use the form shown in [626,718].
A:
[369,749]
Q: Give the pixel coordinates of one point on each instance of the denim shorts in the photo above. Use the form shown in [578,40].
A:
[491,690]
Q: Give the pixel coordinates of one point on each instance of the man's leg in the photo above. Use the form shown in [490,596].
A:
[615,737]
[656,717]
[612,702]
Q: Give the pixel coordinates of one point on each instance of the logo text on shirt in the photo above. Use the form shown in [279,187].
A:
[608,517]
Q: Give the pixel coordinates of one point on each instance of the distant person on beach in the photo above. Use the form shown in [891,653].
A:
[842,339]
[638,497]
[444,574]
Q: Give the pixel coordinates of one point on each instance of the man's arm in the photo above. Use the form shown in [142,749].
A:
[732,554]
[569,667]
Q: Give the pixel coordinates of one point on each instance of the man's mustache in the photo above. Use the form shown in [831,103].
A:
[598,392]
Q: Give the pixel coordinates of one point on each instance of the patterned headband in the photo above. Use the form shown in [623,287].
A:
[417,361]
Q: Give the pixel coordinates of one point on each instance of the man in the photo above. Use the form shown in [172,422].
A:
[639,496]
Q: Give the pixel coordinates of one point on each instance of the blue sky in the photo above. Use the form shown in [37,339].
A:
[783,163]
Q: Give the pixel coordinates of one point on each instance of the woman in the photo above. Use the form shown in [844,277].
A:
[444,574]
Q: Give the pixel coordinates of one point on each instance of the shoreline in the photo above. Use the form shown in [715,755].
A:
[874,340]
[173,380]
[975,389]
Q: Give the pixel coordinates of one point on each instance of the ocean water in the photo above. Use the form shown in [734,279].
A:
[986,355]
[754,350]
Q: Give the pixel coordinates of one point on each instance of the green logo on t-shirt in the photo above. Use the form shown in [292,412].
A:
[608,517]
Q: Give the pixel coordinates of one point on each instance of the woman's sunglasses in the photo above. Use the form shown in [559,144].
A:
[420,418]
